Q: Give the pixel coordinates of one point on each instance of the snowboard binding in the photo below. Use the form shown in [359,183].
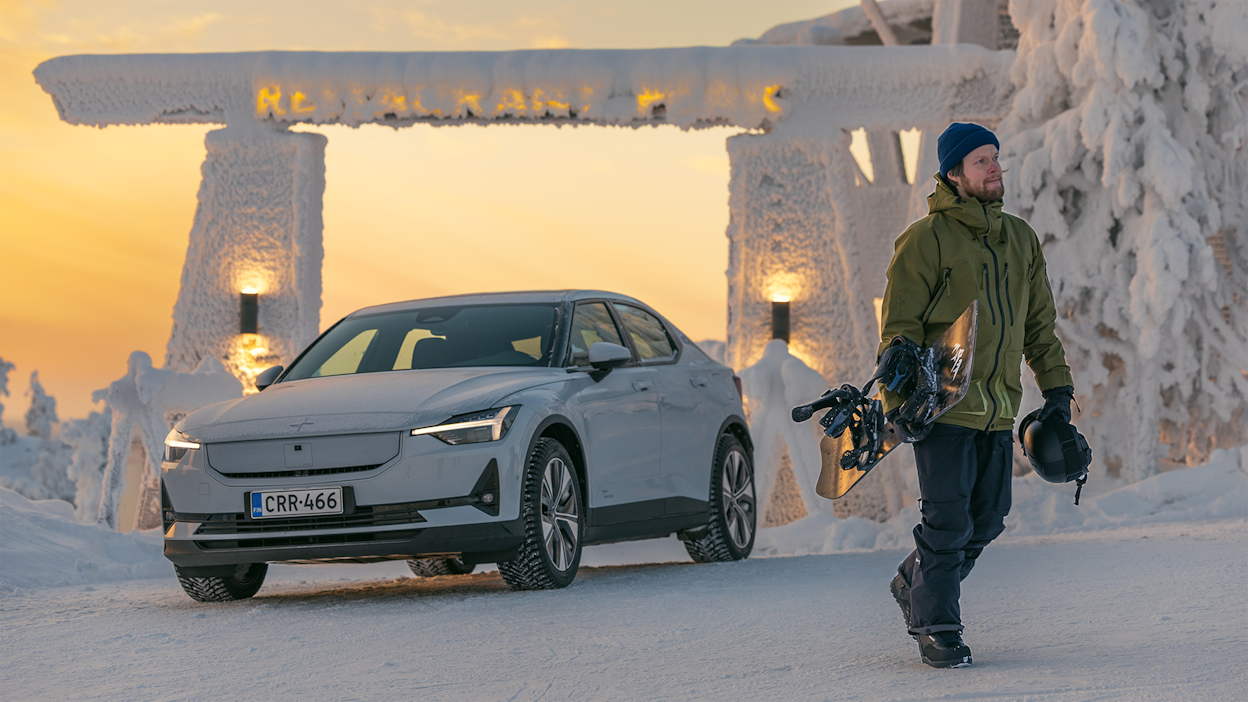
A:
[858,435]
[849,409]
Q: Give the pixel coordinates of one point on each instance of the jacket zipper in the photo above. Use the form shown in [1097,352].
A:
[991,309]
[943,288]
[1008,301]
[996,361]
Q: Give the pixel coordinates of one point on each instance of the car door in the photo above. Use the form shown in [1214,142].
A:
[684,404]
[623,434]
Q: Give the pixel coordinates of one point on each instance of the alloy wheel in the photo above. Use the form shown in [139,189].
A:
[737,499]
[560,514]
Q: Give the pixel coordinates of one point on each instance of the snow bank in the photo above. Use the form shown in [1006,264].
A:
[44,547]
[1218,490]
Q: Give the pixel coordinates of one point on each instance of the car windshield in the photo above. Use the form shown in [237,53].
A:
[433,337]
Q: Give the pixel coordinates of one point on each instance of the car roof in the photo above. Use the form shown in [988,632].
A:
[518,297]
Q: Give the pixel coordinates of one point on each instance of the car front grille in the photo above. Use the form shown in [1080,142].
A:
[311,540]
[301,473]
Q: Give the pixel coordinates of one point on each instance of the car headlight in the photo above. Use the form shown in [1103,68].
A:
[176,446]
[473,428]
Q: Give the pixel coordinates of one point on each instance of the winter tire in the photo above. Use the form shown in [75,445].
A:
[729,534]
[553,525]
[429,567]
[244,583]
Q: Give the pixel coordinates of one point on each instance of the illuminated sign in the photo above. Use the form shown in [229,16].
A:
[353,102]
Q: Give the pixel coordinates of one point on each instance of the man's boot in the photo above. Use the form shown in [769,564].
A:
[901,593]
[944,649]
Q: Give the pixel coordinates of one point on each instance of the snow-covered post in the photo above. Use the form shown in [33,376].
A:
[258,227]
[805,223]
[142,399]
[788,232]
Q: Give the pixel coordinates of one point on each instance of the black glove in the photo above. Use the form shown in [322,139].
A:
[1057,403]
[895,368]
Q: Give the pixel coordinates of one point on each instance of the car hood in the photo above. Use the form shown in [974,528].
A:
[368,402]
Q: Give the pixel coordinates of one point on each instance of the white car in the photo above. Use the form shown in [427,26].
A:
[510,428]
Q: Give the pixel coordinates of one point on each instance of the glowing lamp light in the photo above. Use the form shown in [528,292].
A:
[258,351]
[780,317]
[249,311]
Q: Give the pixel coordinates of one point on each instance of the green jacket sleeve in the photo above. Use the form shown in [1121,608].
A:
[1041,347]
[913,278]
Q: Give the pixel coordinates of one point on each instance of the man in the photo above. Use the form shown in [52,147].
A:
[967,249]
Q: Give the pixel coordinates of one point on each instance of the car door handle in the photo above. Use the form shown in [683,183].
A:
[697,381]
[641,385]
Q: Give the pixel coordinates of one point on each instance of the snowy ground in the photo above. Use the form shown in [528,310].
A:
[1155,612]
[1137,594]
[1151,611]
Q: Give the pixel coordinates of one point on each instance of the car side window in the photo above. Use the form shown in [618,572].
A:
[648,335]
[591,323]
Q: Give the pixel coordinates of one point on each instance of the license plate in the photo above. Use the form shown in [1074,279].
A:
[296,503]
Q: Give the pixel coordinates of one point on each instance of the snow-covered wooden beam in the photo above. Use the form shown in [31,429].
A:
[745,86]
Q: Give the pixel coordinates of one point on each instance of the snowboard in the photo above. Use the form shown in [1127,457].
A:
[952,356]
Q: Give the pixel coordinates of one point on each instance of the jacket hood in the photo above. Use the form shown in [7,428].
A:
[979,218]
[367,402]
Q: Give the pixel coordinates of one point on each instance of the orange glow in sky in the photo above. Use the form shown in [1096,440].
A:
[94,223]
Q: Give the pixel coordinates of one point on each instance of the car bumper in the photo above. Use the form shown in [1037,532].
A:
[431,499]
[478,543]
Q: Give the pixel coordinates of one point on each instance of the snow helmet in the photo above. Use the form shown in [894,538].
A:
[1058,453]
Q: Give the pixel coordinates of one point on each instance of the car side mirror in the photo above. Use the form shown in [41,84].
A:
[267,376]
[604,355]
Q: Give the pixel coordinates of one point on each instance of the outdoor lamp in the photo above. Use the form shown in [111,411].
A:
[780,317]
[248,311]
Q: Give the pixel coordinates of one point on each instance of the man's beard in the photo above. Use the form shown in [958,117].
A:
[986,193]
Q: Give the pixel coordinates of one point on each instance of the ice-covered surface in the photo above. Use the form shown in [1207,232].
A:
[747,86]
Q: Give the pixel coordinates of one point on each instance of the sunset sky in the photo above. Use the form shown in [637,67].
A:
[94,223]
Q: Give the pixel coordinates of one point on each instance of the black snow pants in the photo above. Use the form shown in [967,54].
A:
[964,485]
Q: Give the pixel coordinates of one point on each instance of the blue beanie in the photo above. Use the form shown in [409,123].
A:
[960,139]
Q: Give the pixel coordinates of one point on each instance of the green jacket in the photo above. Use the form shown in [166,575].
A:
[964,250]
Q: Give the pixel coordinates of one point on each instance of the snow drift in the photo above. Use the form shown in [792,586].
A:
[44,547]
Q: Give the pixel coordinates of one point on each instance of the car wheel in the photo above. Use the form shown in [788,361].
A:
[244,583]
[553,525]
[429,567]
[729,534]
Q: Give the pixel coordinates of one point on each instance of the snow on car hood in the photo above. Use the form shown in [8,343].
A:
[367,402]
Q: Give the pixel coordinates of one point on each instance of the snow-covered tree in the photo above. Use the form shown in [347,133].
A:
[42,413]
[88,438]
[7,435]
[50,470]
[1126,140]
